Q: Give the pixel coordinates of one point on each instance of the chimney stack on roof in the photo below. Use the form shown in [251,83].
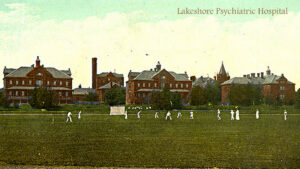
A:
[258,74]
[94,72]
[268,71]
[248,75]
[252,75]
[193,78]
[244,75]
[262,74]
[37,62]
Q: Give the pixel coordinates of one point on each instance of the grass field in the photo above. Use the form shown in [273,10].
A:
[111,141]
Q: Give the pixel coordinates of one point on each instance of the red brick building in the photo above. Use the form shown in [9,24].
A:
[18,83]
[222,76]
[79,93]
[140,85]
[277,87]
[105,81]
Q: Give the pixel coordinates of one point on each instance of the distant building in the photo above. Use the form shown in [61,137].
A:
[18,83]
[222,76]
[105,81]
[79,93]
[203,81]
[277,87]
[140,85]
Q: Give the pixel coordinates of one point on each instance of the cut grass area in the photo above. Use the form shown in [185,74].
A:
[111,141]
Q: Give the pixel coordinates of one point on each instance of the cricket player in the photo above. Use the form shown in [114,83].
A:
[138,115]
[191,115]
[79,115]
[69,118]
[257,114]
[156,115]
[237,115]
[218,115]
[232,114]
[179,115]
[285,114]
[126,115]
[168,115]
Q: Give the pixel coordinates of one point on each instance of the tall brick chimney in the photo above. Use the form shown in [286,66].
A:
[193,78]
[94,72]
[37,62]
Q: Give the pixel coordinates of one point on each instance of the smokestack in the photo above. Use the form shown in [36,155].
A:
[262,74]
[94,72]
[252,75]
[244,75]
[258,74]
[248,75]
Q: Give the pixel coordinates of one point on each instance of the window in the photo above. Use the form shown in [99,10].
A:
[60,82]
[40,74]
[9,93]
[23,82]
[16,93]
[67,94]
[282,97]
[176,85]
[155,84]
[144,94]
[48,83]
[22,93]
[138,84]
[143,84]
[170,85]
[59,93]
[148,84]
[54,83]
[17,82]
[187,85]
[139,95]
[39,82]
[181,85]
[67,83]
[30,82]
[281,87]
[10,82]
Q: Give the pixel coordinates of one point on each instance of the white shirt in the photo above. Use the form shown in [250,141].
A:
[69,114]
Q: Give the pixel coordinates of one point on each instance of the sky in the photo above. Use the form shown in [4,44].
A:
[67,34]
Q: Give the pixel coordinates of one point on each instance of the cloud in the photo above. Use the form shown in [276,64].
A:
[120,41]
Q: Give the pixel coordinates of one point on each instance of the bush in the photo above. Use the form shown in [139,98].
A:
[25,107]
[166,100]
[42,98]
[115,96]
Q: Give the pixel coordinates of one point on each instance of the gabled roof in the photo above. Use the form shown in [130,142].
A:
[8,70]
[204,82]
[23,71]
[222,70]
[148,75]
[238,80]
[109,85]
[106,73]
[84,91]
[273,79]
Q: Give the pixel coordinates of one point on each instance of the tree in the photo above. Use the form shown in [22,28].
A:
[115,96]
[198,96]
[297,99]
[42,98]
[213,93]
[245,95]
[166,100]
[90,97]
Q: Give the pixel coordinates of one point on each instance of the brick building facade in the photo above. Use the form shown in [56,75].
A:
[222,76]
[140,85]
[105,81]
[276,87]
[18,83]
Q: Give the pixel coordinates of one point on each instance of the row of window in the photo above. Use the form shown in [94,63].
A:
[171,85]
[38,82]
[281,87]
[22,93]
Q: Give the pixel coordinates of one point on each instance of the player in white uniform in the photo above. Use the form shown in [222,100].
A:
[156,115]
[179,115]
[168,115]
[69,118]
[218,115]
[126,115]
[237,115]
[138,115]
[257,114]
[191,115]
[79,115]
[285,114]
[232,114]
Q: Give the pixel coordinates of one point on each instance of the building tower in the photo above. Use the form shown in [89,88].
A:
[222,76]
[94,72]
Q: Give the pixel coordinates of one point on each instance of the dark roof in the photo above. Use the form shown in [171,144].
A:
[270,79]
[222,70]
[106,73]
[22,72]
[83,91]
[204,82]
[273,79]
[149,74]
[8,70]
[109,85]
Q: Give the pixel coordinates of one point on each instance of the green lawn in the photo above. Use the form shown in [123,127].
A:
[111,141]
